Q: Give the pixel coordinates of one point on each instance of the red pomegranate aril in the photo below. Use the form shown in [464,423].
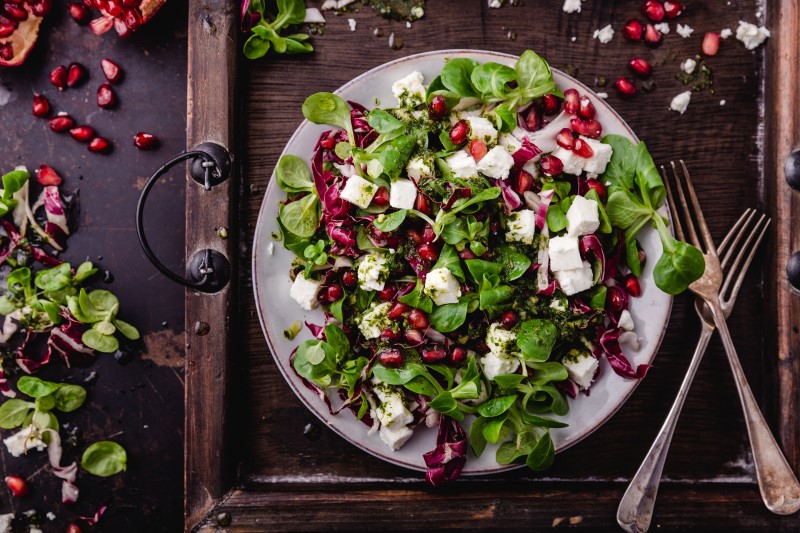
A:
[533,120]
[114,8]
[414,336]
[433,354]
[76,75]
[551,104]
[466,253]
[711,43]
[422,204]
[459,132]
[588,128]
[652,36]
[523,182]
[418,319]
[100,145]
[74,528]
[397,311]
[387,293]
[640,66]
[47,176]
[632,285]
[509,319]
[58,77]
[582,148]
[392,358]
[381,197]
[82,133]
[41,8]
[61,123]
[5,31]
[617,299]
[388,334]
[328,144]
[17,486]
[428,252]
[15,11]
[437,109]
[105,96]
[477,149]
[428,235]
[349,279]
[571,101]
[565,139]
[41,106]
[551,165]
[625,87]
[112,72]
[673,9]
[653,10]
[335,293]
[586,108]
[598,187]
[458,355]
[415,236]
[633,30]
[147,141]
[79,13]
[132,18]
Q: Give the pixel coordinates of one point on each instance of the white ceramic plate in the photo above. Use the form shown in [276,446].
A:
[271,264]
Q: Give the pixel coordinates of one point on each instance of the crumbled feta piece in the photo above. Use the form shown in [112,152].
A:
[581,367]
[626,320]
[395,437]
[358,191]
[722,102]
[409,91]
[402,194]
[374,320]
[573,38]
[725,33]
[352,23]
[495,365]
[572,6]
[684,30]
[417,12]
[521,226]
[509,142]
[751,35]
[304,292]
[564,253]
[688,66]
[392,411]
[50,515]
[575,280]
[500,340]
[271,248]
[482,129]
[34,529]
[582,217]
[604,96]
[605,34]
[372,272]
[601,155]
[313,16]
[25,439]
[495,4]
[496,163]
[5,522]
[663,28]
[573,164]
[417,167]
[462,164]
[681,102]
[629,338]
[559,304]
[442,286]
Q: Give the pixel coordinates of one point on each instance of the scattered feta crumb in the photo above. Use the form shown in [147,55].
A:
[722,102]
[684,30]
[271,248]
[25,439]
[391,40]
[605,34]
[751,35]
[495,4]
[313,16]
[352,23]
[5,522]
[602,95]
[572,6]
[663,27]
[725,33]
[681,102]
[408,25]
[573,38]
[688,65]
[50,516]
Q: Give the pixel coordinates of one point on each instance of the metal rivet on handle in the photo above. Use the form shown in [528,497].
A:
[791,169]
[793,270]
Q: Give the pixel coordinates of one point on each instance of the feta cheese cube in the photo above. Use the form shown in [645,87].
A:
[402,194]
[573,164]
[575,280]
[521,226]
[681,102]
[359,191]
[689,65]
[582,217]
[482,129]
[304,292]
[395,437]
[25,439]
[462,165]
[496,163]
[751,35]
[564,253]
[442,286]
[417,167]
[6,522]
[500,340]
[495,365]
[409,91]
[374,320]
[373,270]
[626,320]
[509,142]
[581,367]
[392,411]
[600,157]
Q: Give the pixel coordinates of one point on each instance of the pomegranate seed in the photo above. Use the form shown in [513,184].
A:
[711,43]
[617,299]
[112,72]
[523,182]
[82,133]
[397,311]
[414,336]
[625,87]
[105,96]
[582,148]
[133,20]
[418,319]
[428,252]
[653,10]
[6,50]
[673,9]
[458,355]
[422,204]
[533,120]
[349,279]
[437,109]
[17,486]
[509,319]
[551,104]
[58,77]
[47,176]
[79,13]
[459,132]
[77,74]
[15,12]
[652,36]
[428,235]
[477,149]
[586,108]
[565,139]
[388,334]
[599,187]
[633,30]
[391,358]
[335,293]
[328,144]
[146,141]
[640,66]
[381,197]
[73,528]
[114,8]
[61,123]
[551,165]
[587,128]
[632,285]
[100,145]
[571,101]
[387,293]
[415,236]
[433,354]
[41,8]
[41,106]
[466,253]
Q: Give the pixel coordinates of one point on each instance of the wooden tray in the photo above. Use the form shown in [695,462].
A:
[256,460]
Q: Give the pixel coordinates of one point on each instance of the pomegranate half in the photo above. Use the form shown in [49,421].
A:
[19,29]
[125,16]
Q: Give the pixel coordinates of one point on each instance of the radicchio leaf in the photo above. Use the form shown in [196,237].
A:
[609,342]
[590,243]
[94,519]
[525,153]
[65,342]
[541,214]
[458,192]
[510,198]
[4,388]
[69,492]
[448,458]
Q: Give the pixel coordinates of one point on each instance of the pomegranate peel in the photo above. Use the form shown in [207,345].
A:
[21,40]
[125,20]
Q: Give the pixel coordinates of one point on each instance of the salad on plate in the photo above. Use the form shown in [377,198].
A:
[474,251]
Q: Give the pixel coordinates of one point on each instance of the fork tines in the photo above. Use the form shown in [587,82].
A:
[698,214]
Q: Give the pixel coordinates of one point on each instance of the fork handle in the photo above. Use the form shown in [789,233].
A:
[779,487]
[635,509]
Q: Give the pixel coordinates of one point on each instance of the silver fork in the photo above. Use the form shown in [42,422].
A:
[636,506]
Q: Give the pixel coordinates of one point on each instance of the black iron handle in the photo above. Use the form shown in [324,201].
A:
[791,171]
[207,270]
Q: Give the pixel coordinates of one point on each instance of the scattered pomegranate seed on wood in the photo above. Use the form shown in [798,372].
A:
[61,123]
[146,141]
[653,10]
[633,30]
[106,98]
[58,77]
[652,36]
[77,74]
[41,106]
[673,9]
[79,13]
[73,528]
[711,43]
[640,66]
[47,176]
[17,486]
[111,71]
[82,133]
[100,145]
[625,87]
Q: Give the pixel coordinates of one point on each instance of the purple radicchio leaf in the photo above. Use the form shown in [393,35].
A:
[65,342]
[591,244]
[541,214]
[525,153]
[609,341]
[458,192]
[510,198]
[448,458]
